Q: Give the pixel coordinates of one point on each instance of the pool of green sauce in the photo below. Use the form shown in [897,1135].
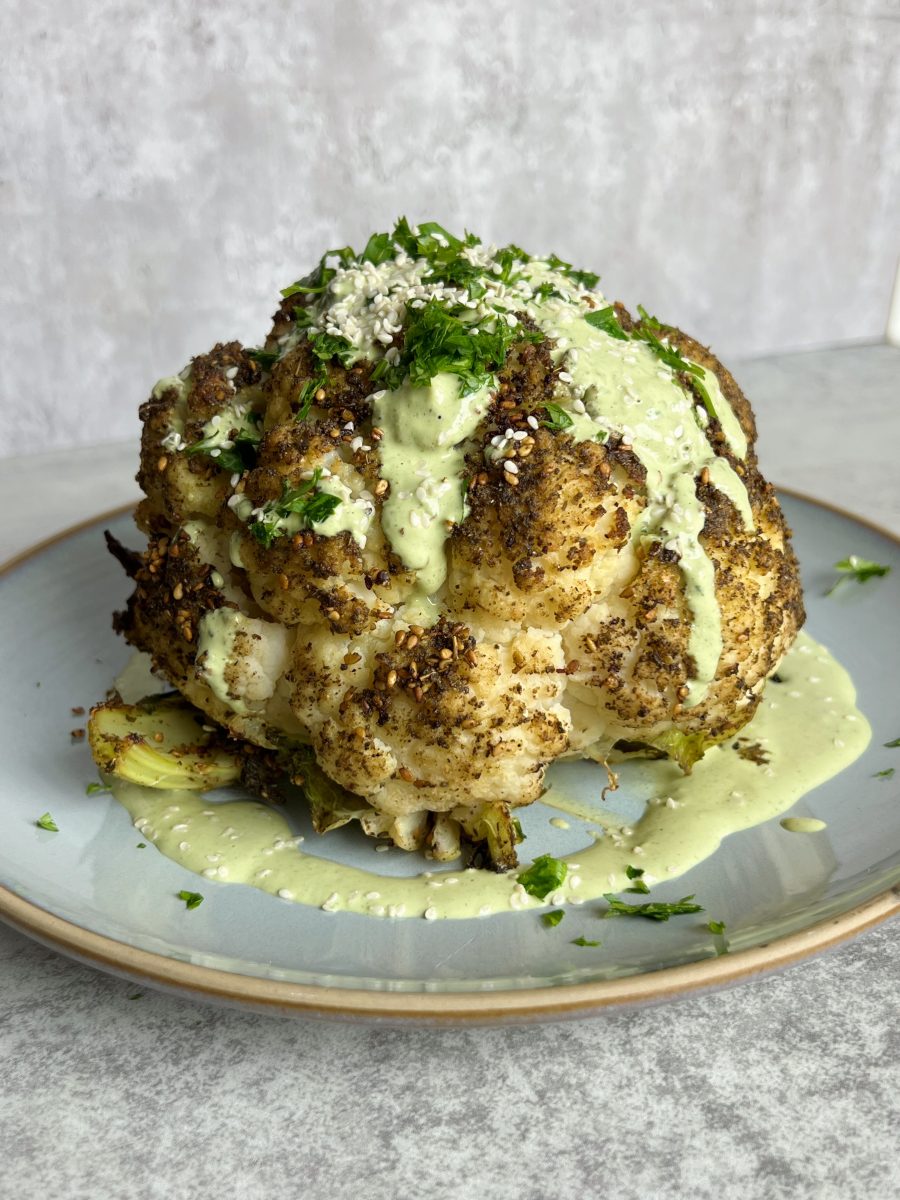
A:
[807,727]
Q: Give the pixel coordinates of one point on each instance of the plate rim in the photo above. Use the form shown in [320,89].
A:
[483,1007]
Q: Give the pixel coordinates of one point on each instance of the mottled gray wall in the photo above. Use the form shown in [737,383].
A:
[167,167]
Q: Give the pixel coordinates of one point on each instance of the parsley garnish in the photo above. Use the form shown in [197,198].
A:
[606,319]
[191,899]
[673,359]
[559,419]
[587,279]
[266,358]
[894,745]
[553,918]
[440,339]
[638,885]
[717,927]
[379,248]
[308,394]
[656,910]
[886,774]
[311,505]
[544,876]
[93,788]
[583,941]
[545,291]
[141,846]
[650,322]
[860,569]
[326,346]
[318,280]
[45,821]
[241,455]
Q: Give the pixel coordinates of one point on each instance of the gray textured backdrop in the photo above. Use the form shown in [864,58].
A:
[167,167]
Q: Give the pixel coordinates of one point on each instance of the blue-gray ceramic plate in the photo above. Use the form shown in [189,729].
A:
[89,892]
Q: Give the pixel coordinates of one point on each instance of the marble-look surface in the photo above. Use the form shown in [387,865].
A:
[165,168]
[783,1089]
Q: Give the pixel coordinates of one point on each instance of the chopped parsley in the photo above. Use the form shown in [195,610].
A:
[583,941]
[544,876]
[553,918]
[318,280]
[717,929]
[886,774]
[606,319]
[266,358]
[637,883]
[311,505]
[586,279]
[93,788]
[379,248]
[440,339]
[308,394]
[326,346]
[191,899]
[860,569]
[241,455]
[141,846]
[894,745]
[655,910]
[45,821]
[558,418]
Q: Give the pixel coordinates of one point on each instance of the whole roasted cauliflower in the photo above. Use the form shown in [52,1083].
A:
[459,517]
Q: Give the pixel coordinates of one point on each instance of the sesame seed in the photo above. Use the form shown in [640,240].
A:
[285,894]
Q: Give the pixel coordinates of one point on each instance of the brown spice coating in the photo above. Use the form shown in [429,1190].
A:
[553,625]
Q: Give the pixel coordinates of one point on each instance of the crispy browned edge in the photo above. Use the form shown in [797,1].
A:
[527,1004]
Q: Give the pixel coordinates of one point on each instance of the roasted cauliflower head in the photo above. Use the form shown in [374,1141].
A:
[458,517]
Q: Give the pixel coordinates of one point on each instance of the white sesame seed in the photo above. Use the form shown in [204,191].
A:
[430,913]
[511,467]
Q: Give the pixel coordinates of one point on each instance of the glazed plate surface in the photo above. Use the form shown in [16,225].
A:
[90,892]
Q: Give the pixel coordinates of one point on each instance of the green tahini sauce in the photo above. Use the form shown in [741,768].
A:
[810,729]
